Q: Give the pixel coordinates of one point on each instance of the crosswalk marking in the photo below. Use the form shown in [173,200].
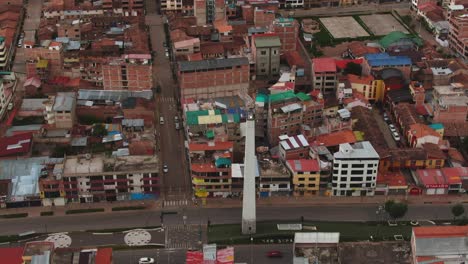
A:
[175,203]
[165,99]
[182,236]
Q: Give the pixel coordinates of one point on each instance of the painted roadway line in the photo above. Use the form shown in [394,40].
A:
[102,234]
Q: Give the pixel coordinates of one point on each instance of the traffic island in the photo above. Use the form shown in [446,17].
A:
[84,211]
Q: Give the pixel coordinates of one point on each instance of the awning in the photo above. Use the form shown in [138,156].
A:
[222,162]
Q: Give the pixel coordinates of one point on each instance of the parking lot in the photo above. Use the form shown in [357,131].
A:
[344,27]
[382,24]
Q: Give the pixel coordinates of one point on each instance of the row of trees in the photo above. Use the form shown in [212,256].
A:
[398,209]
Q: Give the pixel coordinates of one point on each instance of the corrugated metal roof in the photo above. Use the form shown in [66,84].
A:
[267,41]
[115,96]
[64,101]
[282,96]
[211,64]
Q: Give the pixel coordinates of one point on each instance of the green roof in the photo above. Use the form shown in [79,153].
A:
[395,36]
[210,134]
[282,96]
[263,98]
[268,41]
[303,96]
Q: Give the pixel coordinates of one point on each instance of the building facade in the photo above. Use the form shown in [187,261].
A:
[266,50]
[355,170]
[305,176]
[324,75]
[458,34]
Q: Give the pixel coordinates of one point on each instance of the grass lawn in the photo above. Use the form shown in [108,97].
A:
[349,231]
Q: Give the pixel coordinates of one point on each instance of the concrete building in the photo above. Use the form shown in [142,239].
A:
[263,17]
[213,78]
[171,5]
[439,244]
[305,176]
[289,111]
[186,47]
[355,170]
[287,29]
[4,50]
[8,84]
[458,35]
[324,75]
[97,178]
[450,104]
[126,8]
[266,51]
[294,147]
[199,11]
[60,110]
[45,60]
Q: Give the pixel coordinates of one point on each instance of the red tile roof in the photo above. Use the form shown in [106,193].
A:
[206,167]
[195,57]
[306,165]
[210,146]
[104,256]
[18,144]
[440,231]
[359,49]
[455,155]
[422,130]
[12,255]
[336,138]
[392,179]
[460,172]
[324,65]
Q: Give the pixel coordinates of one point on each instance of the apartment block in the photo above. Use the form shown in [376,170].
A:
[210,168]
[125,7]
[8,84]
[171,5]
[262,17]
[324,75]
[458,35]
[450,104]
[266,50]
[44,61]
[97,178]
[4,51]
[213,78]
[355,170]
[186,47]
[289,111]
[305,176]
[199,11]
[287,29]
[60,110]
[69,28]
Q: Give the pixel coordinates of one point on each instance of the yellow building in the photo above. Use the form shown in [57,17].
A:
[305,175]
[373,90]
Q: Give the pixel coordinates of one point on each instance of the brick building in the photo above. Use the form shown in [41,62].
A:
[126,8]
[295,147]
[458,35]
[305,176]
[131,72]
[213,78]
[287,29]
[44,61]
[263,18]
[288,111]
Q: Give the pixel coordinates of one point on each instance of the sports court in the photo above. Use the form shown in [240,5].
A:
[344,27]
[382,24]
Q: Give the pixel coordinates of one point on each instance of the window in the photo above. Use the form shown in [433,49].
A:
[357,166]
[301,179]
[263,52]
[275,52]
[357,172]
[344,165]
[343,185]
[311,185]
[369,171]
[354,179]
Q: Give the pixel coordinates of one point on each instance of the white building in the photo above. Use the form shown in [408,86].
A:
[355,170]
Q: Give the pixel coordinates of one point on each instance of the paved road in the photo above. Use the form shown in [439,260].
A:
[176,183]
[358,212]
[351,10]
[243,254]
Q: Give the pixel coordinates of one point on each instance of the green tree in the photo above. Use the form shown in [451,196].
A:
[458,210]
[396,209]
[99,130]
[353,68]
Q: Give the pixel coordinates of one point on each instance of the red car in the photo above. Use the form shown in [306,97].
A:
[275,254]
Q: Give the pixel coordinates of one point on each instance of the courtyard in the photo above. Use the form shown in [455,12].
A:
[343,27]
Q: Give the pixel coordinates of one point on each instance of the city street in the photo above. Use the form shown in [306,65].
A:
[243,254]
[196,216]
[176,184]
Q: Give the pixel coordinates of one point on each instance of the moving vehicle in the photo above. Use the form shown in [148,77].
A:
[165,168]
[146,260]
[161,120]
[396,136]
[275,254]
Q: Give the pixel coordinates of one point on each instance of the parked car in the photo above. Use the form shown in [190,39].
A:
[392,128]
[167,54]
[165,45]
[161,120]
[146,260]
[275,254]
[165,168]
[385,117]
[396,136]
[177,126]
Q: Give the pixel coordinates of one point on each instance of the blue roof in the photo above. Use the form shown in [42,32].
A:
[384,59]
[436,126]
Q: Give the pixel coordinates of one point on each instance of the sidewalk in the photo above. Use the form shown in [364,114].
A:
[237,202]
